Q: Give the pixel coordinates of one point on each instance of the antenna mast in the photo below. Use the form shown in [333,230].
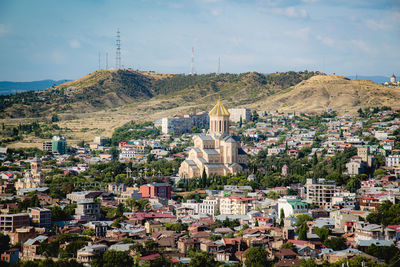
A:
[106,61]
[192,65]
[219,65]
[99,61]
[118,52]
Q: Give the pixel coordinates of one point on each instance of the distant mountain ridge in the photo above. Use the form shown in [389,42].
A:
[7,87]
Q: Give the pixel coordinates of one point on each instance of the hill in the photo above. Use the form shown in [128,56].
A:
[7,87]
[110,89]
[375,79]
[336,92]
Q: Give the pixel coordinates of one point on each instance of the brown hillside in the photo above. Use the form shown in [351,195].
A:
[336,92]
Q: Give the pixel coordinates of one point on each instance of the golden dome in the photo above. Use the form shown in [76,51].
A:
[219,110]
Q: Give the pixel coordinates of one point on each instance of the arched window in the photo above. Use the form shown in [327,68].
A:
[220,127]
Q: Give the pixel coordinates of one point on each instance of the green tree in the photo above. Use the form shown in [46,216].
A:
[131,202]
[201,259]
[112,258]
[272,195]
[336,243]
[282,217]
[256,257]
[4,242]
[322,233]
[303,229]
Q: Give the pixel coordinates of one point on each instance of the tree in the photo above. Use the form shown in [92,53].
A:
[54,118]
[322,233]
[240,122]
[256,257]
[387,253]
[4,242]
[303,229]
[272,195]
[131,202]
[282,217]
[336,243]
[289,245]
[204,178]
[89,232]
[112,258]
[200,259]
[256,223]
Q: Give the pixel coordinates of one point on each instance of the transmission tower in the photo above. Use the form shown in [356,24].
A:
[219,65]
[192,65]
[118,51]
[99,61]
[106,61]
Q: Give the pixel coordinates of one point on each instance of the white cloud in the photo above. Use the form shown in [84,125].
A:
[58,56]
[292,12]
[326,40]
[215,12]
[302,33]
[359,44]
[74,44]
[376,25]
[3,29]
[345,44]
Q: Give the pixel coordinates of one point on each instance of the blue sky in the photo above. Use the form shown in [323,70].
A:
[54,39]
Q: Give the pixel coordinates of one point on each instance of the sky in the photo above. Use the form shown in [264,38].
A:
[58,39]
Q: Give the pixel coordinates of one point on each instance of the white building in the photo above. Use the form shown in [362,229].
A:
[237,113]
[178,125]
[393,160]
[236,205]
[292,205]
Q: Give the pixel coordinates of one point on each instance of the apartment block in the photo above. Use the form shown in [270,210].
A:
[320,191]
[237,113]
[87,210]
[40,217]
[10,222]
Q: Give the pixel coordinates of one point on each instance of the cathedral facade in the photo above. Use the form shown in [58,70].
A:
[216,152]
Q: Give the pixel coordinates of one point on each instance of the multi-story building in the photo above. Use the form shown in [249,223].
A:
[10,222]
[59,145]
[356,166]
[87,210]
[40,217]
[209,206]
[237,113]
[178,125]
[236,205]
[156,190]
[86,254]
[116,189]
[47,146]
[393,161]
[154,227]
[320,191]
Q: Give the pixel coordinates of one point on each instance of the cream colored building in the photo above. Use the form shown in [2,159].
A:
[33,178]
[217,152]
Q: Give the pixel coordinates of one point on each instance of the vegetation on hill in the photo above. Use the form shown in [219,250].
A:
[113,88]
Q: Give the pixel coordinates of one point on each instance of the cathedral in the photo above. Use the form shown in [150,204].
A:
[216,152]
